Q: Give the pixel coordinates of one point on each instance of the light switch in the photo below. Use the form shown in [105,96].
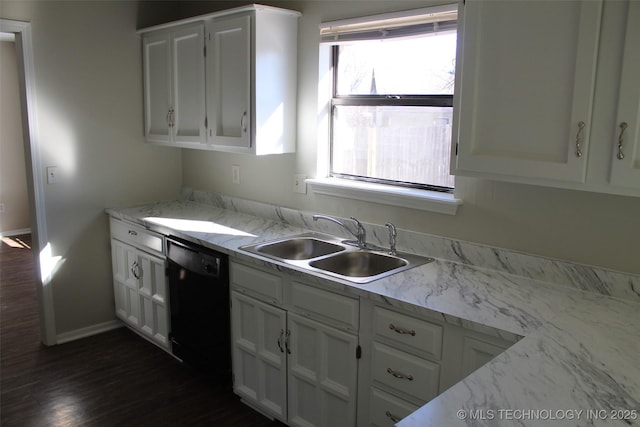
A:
[299,184]
[52,174]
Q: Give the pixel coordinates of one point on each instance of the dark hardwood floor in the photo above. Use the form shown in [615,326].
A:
[112,379]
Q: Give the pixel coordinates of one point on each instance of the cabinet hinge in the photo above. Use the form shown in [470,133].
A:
[457,148]
[205,50]
[358,352]
[206,122]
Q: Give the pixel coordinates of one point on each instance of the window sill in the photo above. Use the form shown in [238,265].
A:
[425,200]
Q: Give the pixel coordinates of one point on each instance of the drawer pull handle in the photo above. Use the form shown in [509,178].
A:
[623,127]
[135,269]
[402,330]
[280,340]
[243,122]
[392,417]
[286,341]
[133,233]
[400,375]
[578,138]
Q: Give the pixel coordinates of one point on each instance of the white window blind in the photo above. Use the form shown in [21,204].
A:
[407,23]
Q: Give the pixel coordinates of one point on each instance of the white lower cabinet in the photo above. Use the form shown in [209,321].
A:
[313,357]
[476,353]
[404,370]
[413,358]
[287,362]
[140,281]
[259,358]
[322,371]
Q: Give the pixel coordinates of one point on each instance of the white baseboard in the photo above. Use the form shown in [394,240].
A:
[88,331]
[15,232]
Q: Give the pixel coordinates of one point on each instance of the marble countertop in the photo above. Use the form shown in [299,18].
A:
[578,363]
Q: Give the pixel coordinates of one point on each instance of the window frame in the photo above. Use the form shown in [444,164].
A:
[381,194]
[379,100]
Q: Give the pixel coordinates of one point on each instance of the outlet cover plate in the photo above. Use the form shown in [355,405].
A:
[235,174]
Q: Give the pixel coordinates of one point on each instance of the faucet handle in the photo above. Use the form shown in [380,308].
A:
[361,233]
[392,237]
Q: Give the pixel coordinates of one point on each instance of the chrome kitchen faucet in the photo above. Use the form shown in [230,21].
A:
[360,234]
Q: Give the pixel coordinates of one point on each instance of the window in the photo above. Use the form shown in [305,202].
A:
[392,98]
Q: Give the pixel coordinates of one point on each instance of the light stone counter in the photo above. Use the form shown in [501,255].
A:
[581,350]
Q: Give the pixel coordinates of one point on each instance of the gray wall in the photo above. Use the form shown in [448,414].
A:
[89,91]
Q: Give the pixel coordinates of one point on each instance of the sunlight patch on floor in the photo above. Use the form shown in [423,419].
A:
[15,242]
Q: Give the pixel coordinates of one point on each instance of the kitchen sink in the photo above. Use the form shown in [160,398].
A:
[299,248]
[359,264]
[328,255]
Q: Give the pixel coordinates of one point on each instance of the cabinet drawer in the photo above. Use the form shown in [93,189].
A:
[137,236]
[406,373]
[328,307]
[386,409]
[263,285]
[415,334]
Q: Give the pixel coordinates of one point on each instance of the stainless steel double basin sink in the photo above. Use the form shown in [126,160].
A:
[335,257]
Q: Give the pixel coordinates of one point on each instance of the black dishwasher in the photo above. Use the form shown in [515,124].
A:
[199,304]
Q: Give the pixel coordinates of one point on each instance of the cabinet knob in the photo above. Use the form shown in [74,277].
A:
[623,127]
[578,139]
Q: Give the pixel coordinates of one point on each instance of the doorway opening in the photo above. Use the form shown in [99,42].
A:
[35,188]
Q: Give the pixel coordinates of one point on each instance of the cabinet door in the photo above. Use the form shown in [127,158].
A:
[125,268]
[188,119]
[154,313]
[156,49]
[228,90]
[477,353]
[322,374]
[527,72]
[625,170]
[258,354]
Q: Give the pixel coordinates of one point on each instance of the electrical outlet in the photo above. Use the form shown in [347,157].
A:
[235,174]
[299,185]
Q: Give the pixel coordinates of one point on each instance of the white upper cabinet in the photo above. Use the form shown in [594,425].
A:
[174,85]
[157,87]
[241,97]
[625,167]
[547,94]
[526,78]
[228,73]
[252,81]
